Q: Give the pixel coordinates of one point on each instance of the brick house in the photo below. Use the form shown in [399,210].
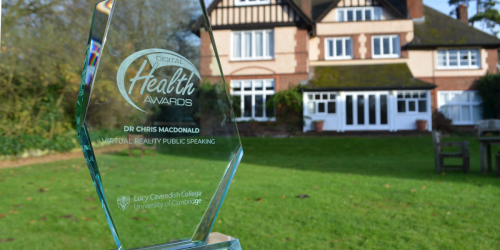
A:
[369,64]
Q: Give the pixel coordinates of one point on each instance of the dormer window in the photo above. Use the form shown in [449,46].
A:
[250,2]
[359,14]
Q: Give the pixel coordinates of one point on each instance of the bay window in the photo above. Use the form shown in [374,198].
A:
[253,45]
[462,107]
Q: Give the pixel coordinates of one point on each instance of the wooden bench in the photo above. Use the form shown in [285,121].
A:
[440,154]
[491,125]
[143,147]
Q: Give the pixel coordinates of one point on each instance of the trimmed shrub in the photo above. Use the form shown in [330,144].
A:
[288,104]
[441,123]
[17,145]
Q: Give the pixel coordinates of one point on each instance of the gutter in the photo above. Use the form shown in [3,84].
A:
[432,86]
[434,46]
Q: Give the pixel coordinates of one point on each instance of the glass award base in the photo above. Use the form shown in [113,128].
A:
[216,241]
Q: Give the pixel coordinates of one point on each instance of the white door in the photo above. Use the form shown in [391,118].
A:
[367,111]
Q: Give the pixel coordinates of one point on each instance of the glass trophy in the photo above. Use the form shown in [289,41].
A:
[141,88]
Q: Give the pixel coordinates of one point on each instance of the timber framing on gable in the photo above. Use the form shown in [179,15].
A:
[224,14]
[341,3]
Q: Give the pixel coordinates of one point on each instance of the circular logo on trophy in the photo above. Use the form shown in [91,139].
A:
[180,81]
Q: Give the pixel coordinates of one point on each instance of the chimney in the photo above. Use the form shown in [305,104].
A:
[462,14]
[415,9]
[306,7]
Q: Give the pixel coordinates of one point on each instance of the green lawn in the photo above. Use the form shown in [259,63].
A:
[365,193]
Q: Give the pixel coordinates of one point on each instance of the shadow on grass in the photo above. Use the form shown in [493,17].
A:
[400,157]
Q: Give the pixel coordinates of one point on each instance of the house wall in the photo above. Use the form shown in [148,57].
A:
[282,81]
[429,69]
[330,17]
[374,27]
[289,65]
[449,79]
[362,34]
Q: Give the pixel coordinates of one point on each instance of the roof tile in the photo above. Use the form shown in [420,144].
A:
[375,76]
[442,30]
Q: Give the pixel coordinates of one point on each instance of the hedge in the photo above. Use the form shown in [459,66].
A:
[19,144]
[10,146]
[489,90]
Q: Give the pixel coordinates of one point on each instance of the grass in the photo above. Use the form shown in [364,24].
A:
[364,193]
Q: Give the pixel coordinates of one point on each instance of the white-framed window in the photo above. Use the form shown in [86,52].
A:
[386,46]
[253,45]
[459,59]
[250,97]
[462,107]
[359,14]
[338,48]
[250,2]
[411,102]
[322,103]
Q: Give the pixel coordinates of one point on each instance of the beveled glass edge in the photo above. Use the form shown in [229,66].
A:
[88,153]
[216,54]
[206,223]
[84,94]
[208,219]
[87,84]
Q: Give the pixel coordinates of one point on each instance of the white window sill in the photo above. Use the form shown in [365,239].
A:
[412,113]
[386,56]
[236,3]
[458,68]
[463,123]
[352,21]
[322,114]
[337,58]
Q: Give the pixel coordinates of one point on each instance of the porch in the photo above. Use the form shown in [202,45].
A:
[367,110]
[367,98]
